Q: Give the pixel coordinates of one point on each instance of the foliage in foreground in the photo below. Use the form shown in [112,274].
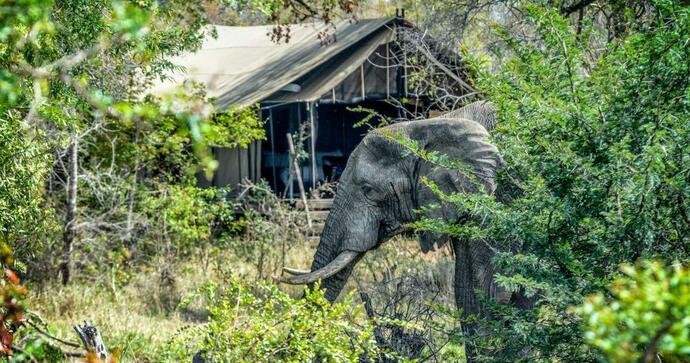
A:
[648,313]
[12,296]
[264,324]
[86,152]
[595,141]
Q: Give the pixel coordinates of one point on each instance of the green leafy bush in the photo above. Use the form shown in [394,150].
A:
[647,313]
[594,133]
[264,324]
[24,165]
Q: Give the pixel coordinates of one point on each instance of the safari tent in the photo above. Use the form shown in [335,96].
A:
[304,81]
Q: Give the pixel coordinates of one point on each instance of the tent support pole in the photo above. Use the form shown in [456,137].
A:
[361,79]
[239,162]
[312,122]
[273,150]
[404,67]
[388,80]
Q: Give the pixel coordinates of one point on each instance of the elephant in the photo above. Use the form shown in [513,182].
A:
[381,190]
[482,112]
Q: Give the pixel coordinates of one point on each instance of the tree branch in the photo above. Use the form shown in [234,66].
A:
[43,332]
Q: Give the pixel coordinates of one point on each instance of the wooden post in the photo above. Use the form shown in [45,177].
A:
[298,175]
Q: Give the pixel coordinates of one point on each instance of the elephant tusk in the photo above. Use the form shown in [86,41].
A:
[338,263]
[294,271]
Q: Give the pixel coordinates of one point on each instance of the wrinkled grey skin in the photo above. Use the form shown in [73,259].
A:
[380,189]
[482,112]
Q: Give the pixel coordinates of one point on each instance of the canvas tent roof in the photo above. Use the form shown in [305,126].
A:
[243,66]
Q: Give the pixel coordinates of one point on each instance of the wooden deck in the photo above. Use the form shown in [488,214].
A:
[318,212]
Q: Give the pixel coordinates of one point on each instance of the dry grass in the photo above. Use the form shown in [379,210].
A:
[130,318]
[139,318]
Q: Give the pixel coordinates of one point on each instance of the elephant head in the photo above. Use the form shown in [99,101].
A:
[381,189]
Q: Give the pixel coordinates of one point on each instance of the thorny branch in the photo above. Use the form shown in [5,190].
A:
[434,76]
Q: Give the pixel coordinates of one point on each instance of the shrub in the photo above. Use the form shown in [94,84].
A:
[647,313]
[271,229]
[595,144]
[413,319]
[264,324]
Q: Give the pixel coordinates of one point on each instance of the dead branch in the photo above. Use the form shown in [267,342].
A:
[92,340]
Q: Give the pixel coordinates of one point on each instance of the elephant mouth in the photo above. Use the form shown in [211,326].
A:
[387,231]
[305,277]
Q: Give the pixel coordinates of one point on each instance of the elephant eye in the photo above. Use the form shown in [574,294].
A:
[368,191]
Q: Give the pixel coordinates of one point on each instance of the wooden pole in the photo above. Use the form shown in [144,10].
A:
[298,175]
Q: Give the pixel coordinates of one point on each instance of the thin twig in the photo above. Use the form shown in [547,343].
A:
[43,332]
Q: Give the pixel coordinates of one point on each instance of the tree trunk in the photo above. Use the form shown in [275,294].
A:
[129,238]
[69,229]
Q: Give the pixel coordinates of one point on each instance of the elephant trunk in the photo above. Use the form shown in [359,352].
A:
[330,247]
[351,230]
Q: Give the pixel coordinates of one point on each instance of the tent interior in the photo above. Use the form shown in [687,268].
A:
[336,134]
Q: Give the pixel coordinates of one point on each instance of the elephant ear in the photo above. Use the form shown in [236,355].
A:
[465,141]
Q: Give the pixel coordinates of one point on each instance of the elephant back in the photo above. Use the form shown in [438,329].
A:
[482,112]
